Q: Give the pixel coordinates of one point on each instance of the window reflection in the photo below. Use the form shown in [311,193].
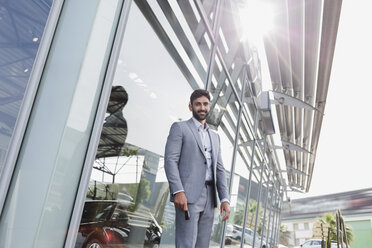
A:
[21,29]
[127,202]
[119,211]
[252,214]
[128,197]
[226,130]
[115,129]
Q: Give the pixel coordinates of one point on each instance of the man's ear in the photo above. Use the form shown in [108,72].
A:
[190,107]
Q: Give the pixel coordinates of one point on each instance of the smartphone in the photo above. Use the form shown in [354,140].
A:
[187,215]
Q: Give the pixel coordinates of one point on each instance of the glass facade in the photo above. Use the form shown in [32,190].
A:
[90,88]
[21,28]
[162,59]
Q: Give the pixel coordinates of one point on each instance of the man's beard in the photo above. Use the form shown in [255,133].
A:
[198,116]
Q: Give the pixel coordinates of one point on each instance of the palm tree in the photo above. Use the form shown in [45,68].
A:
[330,219]
[252,213]
[285,234]
[238,216]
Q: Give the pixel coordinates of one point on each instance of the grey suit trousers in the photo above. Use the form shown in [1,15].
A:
[196,232]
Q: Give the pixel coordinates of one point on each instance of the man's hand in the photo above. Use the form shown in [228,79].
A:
[225,208]
[180,201]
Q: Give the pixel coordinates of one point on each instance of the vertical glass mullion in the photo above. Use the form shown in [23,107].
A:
[216,26]
[275,210]
[269,230]
[263,165]
[265,204]
[248,193]
[279,219]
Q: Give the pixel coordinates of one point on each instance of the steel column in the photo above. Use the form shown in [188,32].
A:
[277,234]
[259,192]
[272,213]
[276,217]
[272,192]
[265,205]
[247,196]
[216,25]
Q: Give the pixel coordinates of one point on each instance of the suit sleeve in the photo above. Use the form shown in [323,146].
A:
[222,189]
[172,157]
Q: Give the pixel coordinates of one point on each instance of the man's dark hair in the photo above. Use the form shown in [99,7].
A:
[199,93]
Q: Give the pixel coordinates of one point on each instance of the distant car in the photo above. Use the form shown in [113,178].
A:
[316,243]
[229,230]
[312,243]
[108,223]
[282,246]
[237,234]
[248,236]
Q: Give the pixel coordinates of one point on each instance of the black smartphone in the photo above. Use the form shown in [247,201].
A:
[187,215]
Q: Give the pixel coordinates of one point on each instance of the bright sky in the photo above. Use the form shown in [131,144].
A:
[342,162]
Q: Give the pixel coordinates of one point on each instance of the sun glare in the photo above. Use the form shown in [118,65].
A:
[256,19]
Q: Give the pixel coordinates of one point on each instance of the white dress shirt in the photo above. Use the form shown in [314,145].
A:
[207,147]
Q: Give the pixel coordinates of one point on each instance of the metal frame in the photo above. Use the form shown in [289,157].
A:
[270,223]
[216,26]
[263,164]
[265,205]
[300,51]
[28,100]
[248,193]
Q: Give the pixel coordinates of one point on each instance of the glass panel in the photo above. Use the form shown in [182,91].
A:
[235,226]
[262,224]
[128,196]
[269,215]
[21,27]
[223,116]
[47,174]
[252,212]
[226,130]
[273,216]
[222,95]
[242,170]
[238,73]
[238,192]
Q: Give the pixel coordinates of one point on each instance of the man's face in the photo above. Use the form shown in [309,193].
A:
[200,108]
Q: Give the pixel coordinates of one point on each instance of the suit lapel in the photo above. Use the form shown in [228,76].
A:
[194,131]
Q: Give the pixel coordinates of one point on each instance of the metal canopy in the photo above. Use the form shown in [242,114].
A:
[300,51]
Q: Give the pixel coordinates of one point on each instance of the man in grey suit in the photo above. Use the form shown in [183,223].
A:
[195,173]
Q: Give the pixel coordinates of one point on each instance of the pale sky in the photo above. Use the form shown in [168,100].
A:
[342,162]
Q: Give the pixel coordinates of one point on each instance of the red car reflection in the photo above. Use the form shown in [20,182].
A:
[108,223]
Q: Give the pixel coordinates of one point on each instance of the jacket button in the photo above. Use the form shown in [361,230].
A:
[205,162]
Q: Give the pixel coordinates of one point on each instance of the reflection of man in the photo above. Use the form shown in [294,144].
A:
[115,128]
[195,174]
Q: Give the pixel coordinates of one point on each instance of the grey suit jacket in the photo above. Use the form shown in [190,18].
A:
[185,163]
